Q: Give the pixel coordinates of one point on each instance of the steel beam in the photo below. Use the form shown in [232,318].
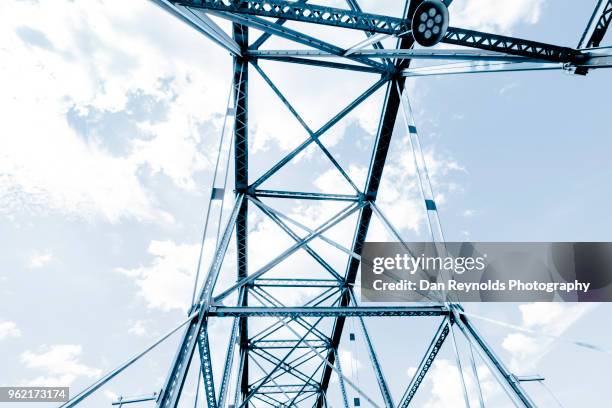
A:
[328,125]
[426,362]
[301,195]
[296,238]
[255,311]
[206,366]
[480,69]
[307,13]
[227,368]
[375,23]
[297,116]
[248,280]
[597,26]
[426,53]
[201,23]
[240,34]
[512,46]
[295,36]
[323,64]
[264,37]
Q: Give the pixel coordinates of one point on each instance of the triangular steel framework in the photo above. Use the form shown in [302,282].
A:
[309,349]
[337,300]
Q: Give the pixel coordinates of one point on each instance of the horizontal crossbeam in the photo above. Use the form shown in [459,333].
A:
[433,53]
[297,283]
[284,344]
[308,13]
[375,23]
[229,311]
[299,195]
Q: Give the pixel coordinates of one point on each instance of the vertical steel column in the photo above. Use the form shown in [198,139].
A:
[241,161]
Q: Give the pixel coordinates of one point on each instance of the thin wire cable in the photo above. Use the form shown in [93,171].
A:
[466,397]
[227,164]
[554,397]
[406,114]
[578,343]
[426,189]
[408,74]
[195,404]
[463,64]
[111,374]
[206,220]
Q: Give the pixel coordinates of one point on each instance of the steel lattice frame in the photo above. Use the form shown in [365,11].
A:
[248,13]
[336,300]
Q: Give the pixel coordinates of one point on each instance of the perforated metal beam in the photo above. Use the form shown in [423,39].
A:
[224,311]
[307,13]
[512,46]
[375,23]
[426,362]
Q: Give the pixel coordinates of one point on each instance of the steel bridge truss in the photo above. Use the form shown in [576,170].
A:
[289,359]
[283,355]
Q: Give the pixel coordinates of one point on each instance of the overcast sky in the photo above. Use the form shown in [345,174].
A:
[111,115]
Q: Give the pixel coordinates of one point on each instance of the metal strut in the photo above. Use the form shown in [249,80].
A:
[375,23]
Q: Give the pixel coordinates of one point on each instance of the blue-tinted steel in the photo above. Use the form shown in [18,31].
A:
[375,23]
[202,24]
[598,25]
[257,298]
[322,311]
[596,29]
[170,394]
[426,362]
[516,391]
[301,195]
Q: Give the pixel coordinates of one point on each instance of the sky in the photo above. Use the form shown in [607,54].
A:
[111,117]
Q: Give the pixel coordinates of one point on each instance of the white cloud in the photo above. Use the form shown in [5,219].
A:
[521,346]
[553,319]
[447,390]
[498,16]
[167,281]
[112,396]
[138,328]
[411,371]
[400,197]
[9,329]
[40,258]
[349,363]
[60,363]
[89,59]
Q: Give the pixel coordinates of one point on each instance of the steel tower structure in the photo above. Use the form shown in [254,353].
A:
[295,350]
